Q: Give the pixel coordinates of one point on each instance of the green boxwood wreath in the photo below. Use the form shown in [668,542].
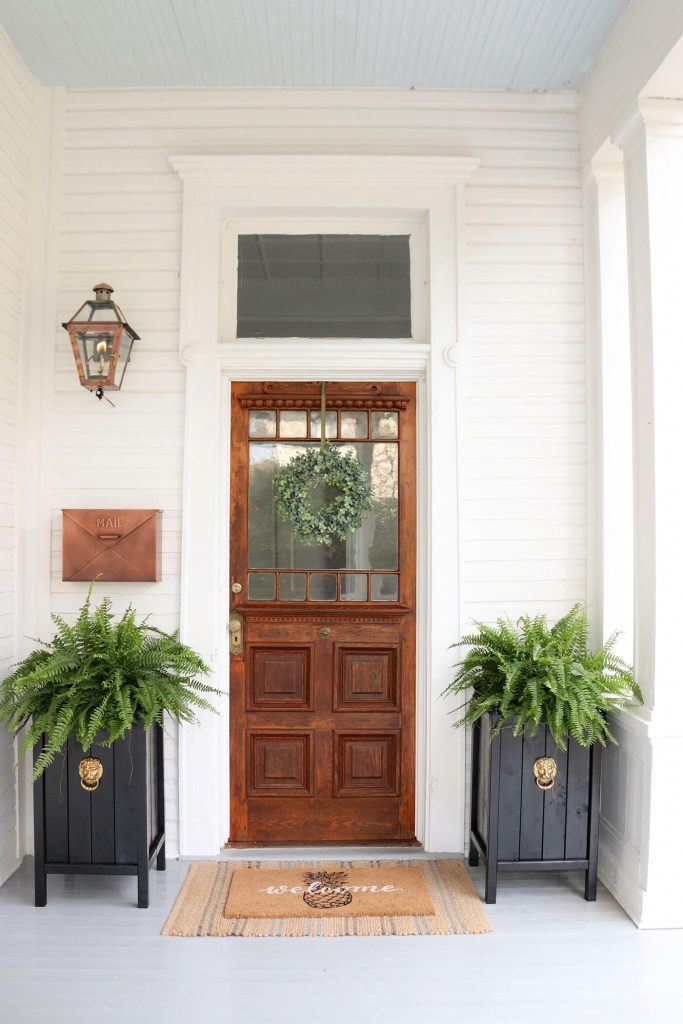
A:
[347,510]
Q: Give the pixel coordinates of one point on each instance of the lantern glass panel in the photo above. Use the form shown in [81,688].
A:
[95,348]
[100,312]
[124,355]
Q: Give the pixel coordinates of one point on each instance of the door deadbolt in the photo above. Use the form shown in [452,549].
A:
[235,628]
[236,588]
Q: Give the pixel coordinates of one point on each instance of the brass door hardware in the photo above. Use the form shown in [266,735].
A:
[325,633]
[236,630]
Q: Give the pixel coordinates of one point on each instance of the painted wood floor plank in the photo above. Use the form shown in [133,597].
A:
[92,954]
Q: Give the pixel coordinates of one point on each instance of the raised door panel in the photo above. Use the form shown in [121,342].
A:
[367,764]
[280,763]
[366,678]
[279,678]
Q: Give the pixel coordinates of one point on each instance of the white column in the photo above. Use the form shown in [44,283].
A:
[653,166]
[614,369]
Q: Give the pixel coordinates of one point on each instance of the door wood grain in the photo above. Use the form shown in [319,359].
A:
[322,698]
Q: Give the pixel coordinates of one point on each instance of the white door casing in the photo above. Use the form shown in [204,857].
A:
[423,196]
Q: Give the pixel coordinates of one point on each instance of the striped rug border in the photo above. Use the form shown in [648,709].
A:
[198,909]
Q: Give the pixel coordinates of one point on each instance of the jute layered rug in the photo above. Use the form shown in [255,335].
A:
[327,898]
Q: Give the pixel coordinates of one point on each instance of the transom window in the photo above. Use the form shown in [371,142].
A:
[323,286]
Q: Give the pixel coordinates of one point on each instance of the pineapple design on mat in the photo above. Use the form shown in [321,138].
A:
[326,890]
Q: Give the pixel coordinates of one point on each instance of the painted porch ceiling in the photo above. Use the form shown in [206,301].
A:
[523,45]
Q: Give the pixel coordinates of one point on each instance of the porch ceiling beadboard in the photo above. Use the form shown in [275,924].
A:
[643,38]
[16,110]
[521,374]
[449,44]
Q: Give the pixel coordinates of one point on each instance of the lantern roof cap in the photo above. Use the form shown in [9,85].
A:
[103,287]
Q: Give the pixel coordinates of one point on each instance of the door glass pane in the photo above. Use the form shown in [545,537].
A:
[330,424]
[292,586]
[323,286]
[324,586]
[262,423]
[384,588]
[354,424]
[293,423]
[354,587]
[272,543]
[385,424]
[261,586]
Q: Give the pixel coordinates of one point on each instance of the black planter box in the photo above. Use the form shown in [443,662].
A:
[118,828]
[515,825]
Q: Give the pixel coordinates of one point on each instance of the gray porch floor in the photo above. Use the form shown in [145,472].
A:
[92,955]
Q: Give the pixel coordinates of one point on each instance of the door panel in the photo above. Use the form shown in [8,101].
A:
[279,677]
[366,678]
[322,697]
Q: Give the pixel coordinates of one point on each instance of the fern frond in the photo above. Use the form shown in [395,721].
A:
[534,674]
[97,677]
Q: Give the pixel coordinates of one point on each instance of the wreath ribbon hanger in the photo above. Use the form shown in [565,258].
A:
[323,414]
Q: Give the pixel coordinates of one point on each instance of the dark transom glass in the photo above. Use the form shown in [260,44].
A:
[323,286]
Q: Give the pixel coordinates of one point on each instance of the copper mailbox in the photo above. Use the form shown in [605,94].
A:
[113,545]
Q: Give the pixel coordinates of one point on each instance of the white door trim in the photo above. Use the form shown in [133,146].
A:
[242,187]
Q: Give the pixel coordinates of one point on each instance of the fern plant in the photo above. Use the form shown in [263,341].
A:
[98,676]
[537,674]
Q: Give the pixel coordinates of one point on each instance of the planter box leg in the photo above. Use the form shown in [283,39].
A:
[142,837]
[41,886]
[161,810]
[143,886]
[491,881]
[39,839]
[473,858]
[591,889]
[492,837]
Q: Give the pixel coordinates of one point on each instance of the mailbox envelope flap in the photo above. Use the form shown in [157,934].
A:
[109,522]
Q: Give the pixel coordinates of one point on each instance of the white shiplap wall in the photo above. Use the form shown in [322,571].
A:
[16,108]
[521,386]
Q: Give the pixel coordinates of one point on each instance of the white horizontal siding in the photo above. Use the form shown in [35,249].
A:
[16,98]
[521,388]
[522,398]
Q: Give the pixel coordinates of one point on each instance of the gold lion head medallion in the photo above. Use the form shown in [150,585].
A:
[545,770]
[90,770]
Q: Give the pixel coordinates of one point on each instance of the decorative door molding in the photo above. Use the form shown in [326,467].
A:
[242,187]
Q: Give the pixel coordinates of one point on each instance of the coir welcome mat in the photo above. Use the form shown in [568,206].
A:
[327,898]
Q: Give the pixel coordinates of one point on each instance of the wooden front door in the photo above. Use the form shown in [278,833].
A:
[322,695]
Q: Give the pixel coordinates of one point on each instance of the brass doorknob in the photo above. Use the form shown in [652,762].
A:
[235,629]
